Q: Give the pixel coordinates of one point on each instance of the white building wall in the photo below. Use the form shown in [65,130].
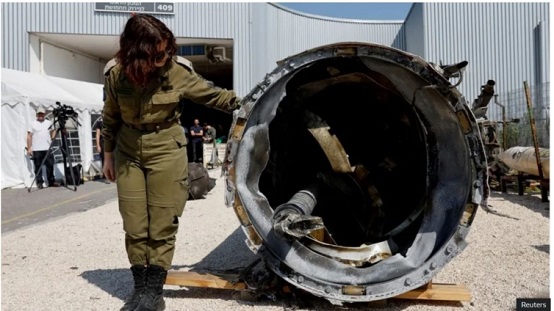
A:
[64,63]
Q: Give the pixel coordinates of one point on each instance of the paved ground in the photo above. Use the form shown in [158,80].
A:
[21,208]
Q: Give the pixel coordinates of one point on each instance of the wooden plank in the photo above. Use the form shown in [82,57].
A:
[429,291]
[438,291]
[194,279]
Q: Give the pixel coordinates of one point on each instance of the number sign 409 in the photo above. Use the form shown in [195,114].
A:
[165,7]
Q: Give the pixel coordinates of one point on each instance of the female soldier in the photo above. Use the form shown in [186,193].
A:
[145,147]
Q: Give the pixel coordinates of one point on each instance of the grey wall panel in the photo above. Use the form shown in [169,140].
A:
[501,41]
[415,36]
[13,37]
[262,33]
[280,32]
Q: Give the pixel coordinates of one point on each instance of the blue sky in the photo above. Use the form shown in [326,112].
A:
[358,10]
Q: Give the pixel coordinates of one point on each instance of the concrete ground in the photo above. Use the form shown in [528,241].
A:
[68,254]
[21,208]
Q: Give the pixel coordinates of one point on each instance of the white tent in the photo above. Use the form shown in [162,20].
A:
[22,93]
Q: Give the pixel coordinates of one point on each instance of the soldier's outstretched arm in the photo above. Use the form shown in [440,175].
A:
[197,89]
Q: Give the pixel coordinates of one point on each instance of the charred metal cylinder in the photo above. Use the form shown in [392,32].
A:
[396,157]
[483,100]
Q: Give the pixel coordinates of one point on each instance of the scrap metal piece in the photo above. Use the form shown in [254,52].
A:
[328,142]
[296,225]
[355,256]
[481,103]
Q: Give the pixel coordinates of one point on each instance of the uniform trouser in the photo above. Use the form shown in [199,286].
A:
[38,157]
[152,185]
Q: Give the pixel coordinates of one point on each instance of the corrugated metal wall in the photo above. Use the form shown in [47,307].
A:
[415,36]
[279,32]
[263,33]
[506,42]
[196,20]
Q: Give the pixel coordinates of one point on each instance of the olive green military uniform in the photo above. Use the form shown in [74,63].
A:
[142,126]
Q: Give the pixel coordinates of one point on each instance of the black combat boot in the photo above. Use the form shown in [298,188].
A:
[139,275]
[153,300]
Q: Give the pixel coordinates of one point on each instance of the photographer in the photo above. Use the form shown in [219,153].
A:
[39,137]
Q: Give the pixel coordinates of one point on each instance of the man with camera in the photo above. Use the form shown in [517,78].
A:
[39,138]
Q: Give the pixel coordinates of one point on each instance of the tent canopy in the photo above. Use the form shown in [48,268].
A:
[22,93]
[46,91]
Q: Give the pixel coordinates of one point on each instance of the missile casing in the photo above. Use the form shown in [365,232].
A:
[395,152]
[523,159]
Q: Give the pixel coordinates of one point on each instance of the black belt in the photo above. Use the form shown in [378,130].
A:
[152,127]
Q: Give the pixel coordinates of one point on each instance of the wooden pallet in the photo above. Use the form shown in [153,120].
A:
[522,180]
[194,279]
[430,291]
[438,291]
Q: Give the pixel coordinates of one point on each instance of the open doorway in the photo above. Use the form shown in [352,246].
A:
[214,62]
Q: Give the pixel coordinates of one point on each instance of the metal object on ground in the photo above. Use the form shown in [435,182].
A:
[200,182]
[479,107]
[524,159]
[396,156]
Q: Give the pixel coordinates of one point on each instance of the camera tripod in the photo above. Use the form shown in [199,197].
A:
[65,154]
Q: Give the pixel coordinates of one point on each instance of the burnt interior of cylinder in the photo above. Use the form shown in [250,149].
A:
[381,134]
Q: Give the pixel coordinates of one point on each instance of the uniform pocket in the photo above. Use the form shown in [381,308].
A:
[180,140]
[182,196]
[163,106]
[165,98]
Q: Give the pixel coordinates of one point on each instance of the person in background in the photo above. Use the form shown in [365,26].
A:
[210,138]
[144,146]
[39,137]
[100,141]
[197,135]
[209,134]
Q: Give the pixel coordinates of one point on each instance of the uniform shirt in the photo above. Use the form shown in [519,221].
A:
[41,135]
[158,102]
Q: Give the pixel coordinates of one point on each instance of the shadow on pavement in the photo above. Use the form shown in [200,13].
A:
[543,248]
[530,201]
[231,254]
[116,282]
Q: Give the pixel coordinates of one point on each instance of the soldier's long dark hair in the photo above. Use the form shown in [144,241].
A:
[138,47]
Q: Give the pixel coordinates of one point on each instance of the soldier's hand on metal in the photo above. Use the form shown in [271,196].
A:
[294,225]
[238,103]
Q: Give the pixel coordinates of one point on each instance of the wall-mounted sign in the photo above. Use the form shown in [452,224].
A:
[139,7]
